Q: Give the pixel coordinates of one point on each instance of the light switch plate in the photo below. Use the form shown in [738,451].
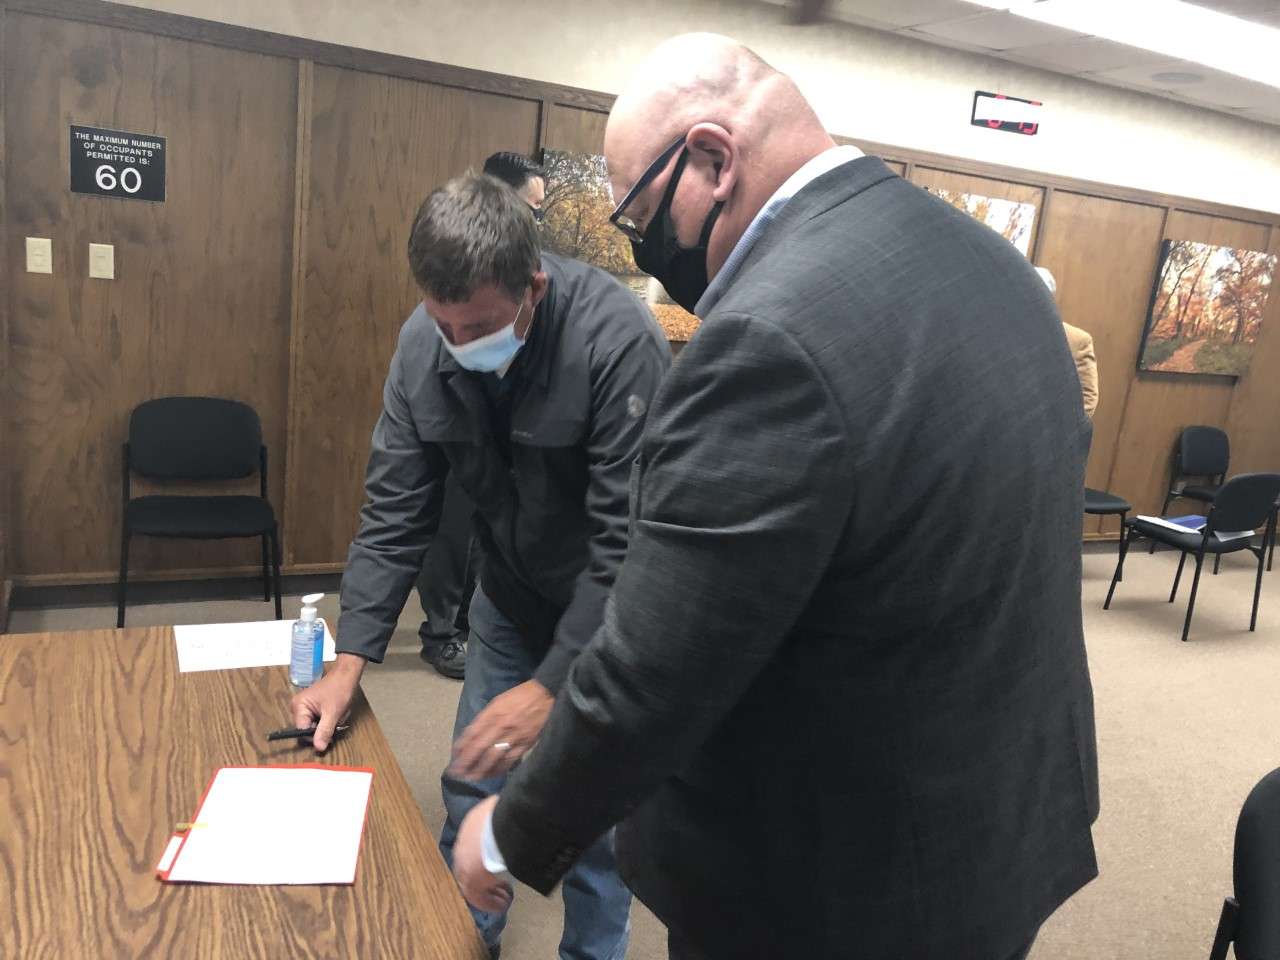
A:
[102,261]
[39,255]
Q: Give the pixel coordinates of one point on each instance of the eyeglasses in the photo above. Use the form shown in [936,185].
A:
[626,224]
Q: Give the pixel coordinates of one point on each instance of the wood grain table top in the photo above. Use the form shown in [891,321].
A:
[104,746]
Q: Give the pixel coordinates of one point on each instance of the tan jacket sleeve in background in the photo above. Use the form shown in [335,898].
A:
[1086,365]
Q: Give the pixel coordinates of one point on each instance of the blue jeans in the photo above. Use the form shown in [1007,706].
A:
[597,905]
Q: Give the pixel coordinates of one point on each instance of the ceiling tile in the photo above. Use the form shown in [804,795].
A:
[1259,116]
[1082,55]
[999,30]
[1216,89]
[895,14]
[1259,11]
[1224,90]
[916,34]
[955,24]
[1140,74]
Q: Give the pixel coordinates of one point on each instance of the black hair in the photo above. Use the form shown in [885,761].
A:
[513,169]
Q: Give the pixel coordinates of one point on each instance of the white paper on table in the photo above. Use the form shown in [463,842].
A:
[229,646]
[276,825]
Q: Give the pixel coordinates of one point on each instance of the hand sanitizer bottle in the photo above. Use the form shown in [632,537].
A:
[308,644]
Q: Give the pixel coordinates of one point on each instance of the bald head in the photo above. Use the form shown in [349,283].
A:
[695,77]
[747,129]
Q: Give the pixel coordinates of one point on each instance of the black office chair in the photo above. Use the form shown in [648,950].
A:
[202,439]
[1201,452]
[1100,503]
[1245,502]
[1251,919]
[1275,523]
[1205,452]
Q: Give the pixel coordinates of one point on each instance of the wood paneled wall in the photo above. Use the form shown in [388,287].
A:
[378,146]
[1104,253]
[200,303]
[275,271]
[1253,422]
[1104,288]
[6,444]
[575,129]
[1160,405]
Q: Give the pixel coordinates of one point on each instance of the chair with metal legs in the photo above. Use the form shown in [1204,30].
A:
[1275,525]
[1100,503]
[1201,452]
[201,439]
[1244,503]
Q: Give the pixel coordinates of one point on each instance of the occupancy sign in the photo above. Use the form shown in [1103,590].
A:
[999,111]
[114,163]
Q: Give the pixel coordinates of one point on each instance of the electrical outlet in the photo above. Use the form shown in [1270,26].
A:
[102,261]
[39,255]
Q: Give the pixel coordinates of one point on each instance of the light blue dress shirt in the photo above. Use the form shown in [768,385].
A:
[824,162]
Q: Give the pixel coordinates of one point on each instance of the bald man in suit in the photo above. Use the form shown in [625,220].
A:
[839,703]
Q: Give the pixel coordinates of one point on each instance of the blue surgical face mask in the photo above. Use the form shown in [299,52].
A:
[493,351]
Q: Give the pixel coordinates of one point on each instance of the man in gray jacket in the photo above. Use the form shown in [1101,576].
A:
[448,577]
[839,703]
[528,378]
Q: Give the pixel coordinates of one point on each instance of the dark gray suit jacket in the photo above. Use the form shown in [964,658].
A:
[551,502]
[840,698]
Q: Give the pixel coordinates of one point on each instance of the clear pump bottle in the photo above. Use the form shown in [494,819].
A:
[307,653]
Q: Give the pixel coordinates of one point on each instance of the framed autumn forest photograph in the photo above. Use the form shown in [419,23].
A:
[576,224]
[1206,309]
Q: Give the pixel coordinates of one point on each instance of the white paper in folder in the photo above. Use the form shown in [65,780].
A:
[266,825]
[230,646]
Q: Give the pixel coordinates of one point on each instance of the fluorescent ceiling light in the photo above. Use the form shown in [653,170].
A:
[1176,29]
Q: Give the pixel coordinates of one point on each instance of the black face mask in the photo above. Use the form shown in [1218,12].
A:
[681,270]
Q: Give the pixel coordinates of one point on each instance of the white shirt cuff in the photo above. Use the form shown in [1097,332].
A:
[490,855]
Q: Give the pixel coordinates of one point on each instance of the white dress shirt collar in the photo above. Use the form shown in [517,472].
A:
[824,162]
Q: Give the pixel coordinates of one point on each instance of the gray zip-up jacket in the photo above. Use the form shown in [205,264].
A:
[551,503]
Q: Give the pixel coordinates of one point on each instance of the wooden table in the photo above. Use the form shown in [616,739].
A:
[104,746]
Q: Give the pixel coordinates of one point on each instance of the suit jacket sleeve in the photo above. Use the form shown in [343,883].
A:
[746,489]
[404,487]
[621,392]
[1087,367]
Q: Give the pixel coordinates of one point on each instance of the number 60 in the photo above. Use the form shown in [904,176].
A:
[105,175]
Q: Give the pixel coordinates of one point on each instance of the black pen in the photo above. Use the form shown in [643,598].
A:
[301,733]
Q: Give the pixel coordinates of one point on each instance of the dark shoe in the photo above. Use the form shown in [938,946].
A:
[449,657]
[495,952]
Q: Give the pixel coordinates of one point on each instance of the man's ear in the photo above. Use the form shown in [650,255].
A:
[711,147]
[538,287]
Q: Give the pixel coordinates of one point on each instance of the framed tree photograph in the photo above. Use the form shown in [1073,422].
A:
[1206,309]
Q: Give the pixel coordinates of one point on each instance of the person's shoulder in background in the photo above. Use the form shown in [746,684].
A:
[1081,341]
[1082,352]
